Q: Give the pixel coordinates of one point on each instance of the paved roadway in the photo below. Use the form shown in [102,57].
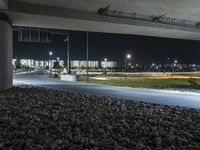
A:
[177,98]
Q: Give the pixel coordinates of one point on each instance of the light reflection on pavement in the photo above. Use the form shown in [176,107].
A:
[168,97]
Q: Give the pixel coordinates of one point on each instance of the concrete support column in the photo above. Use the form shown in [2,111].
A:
[6,51]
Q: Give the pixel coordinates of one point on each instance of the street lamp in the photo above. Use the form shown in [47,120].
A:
[68,54]
[50,53]
[58,58]
[153,67]
[105,64]
[128,56]
[174,65]
[50,62]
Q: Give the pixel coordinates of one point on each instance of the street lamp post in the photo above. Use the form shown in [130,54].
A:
[105,61]
[153,67]
[68,54]
[50,62]
[128,56]
[87,55]
[174,64]
[58,60]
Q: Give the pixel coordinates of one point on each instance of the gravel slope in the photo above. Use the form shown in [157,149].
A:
[38,118]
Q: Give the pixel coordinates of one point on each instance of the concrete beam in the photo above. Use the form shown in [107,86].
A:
[6,50]
[24,14]
[3,4]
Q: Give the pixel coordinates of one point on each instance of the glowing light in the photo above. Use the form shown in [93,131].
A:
[175,61]
[128,56]
[50,53]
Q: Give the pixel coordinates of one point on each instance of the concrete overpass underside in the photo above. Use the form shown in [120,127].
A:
[172,19]
[83,15]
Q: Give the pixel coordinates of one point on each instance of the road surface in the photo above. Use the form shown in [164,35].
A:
[167,97]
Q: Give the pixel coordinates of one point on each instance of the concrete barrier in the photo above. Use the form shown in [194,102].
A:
[68,77]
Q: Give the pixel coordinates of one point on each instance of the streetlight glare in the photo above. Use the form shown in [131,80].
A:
[50,53]
[58,58]
[105,59]
[128,56]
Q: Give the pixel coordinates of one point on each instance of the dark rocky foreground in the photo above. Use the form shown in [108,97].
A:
[38,118]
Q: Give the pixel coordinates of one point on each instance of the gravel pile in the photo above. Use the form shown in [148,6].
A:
[38,118]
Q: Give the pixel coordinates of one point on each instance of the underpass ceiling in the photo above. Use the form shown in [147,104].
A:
[179,9]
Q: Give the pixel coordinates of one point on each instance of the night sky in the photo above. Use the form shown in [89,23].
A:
[145,50]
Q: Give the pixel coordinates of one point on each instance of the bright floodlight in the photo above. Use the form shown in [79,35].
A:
[128,56]
[58,58]
[50,53]
[175,61]
[105,59]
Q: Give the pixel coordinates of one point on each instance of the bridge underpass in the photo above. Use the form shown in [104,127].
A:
[170,19]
